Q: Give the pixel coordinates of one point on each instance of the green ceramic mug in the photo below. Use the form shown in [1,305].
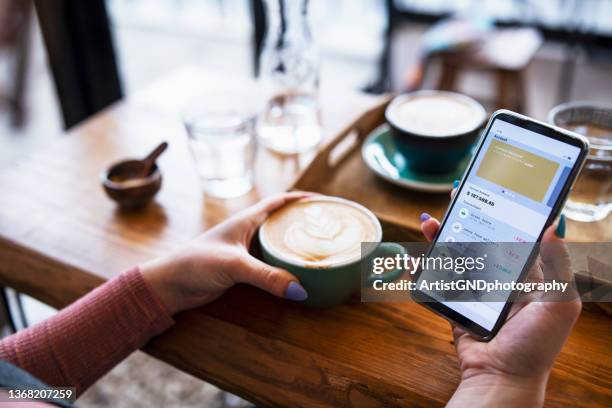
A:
[437,150]
[332,285]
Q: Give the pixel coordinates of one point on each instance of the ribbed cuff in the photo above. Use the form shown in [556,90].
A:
[148,302]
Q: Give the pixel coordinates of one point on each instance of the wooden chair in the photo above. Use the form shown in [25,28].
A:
[505,54]
[81,55]
[15,20]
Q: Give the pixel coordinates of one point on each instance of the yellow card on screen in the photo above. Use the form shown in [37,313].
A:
[517,170]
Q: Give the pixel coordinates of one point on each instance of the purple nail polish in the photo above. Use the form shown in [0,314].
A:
[296,292]
[425,217]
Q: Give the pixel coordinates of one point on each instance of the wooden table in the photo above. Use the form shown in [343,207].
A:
[60,237]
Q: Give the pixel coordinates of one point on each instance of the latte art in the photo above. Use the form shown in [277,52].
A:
[322,234]
[319,232]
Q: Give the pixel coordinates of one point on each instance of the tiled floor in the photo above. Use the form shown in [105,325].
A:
[142,381]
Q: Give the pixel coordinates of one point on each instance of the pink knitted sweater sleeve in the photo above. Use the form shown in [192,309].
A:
[86,339]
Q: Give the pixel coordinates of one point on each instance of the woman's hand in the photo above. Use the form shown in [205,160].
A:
[216,260]
[513,368]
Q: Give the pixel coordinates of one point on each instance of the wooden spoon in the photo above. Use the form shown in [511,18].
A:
[149,161]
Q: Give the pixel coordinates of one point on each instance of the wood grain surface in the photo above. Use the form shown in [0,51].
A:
[60,237]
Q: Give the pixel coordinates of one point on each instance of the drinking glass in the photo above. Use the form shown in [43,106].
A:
[222,142]
[591,197]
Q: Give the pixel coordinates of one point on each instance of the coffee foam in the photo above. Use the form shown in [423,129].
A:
[319,233]
[436,115]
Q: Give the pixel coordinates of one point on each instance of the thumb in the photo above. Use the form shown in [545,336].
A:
[274,280]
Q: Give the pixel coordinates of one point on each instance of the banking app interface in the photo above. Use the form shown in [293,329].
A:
[507,197]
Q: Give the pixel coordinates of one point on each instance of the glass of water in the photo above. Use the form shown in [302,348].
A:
[222,141]
[591,198]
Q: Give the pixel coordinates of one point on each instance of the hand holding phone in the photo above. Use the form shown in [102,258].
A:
[515,364]
[514,187]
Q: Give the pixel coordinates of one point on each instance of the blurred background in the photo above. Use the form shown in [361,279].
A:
[62,61]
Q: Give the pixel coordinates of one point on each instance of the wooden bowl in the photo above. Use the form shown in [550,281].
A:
[131,193]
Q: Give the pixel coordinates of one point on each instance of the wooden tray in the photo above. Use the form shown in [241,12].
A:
[339,170]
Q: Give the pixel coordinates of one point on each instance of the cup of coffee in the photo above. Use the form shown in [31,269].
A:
[318,239]
[434,130]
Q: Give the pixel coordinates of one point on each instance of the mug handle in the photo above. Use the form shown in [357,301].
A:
[386,249]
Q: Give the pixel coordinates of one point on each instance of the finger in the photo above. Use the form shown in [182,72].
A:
[550,235]
[557,265]
[535,273]
[276,201]
[555,256]
[260,211]
[455,187]
[430,228]
[457,333]
[276,281]
[516,307]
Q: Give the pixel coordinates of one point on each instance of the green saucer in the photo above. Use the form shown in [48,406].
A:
[383,158]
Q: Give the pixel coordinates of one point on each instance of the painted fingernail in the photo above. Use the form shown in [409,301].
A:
[560,231]
[425,217]
[296,292]
[455,183]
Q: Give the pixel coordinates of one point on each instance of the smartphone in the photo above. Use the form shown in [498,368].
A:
[513,189]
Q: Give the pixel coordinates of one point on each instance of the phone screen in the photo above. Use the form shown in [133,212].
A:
[508,195]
